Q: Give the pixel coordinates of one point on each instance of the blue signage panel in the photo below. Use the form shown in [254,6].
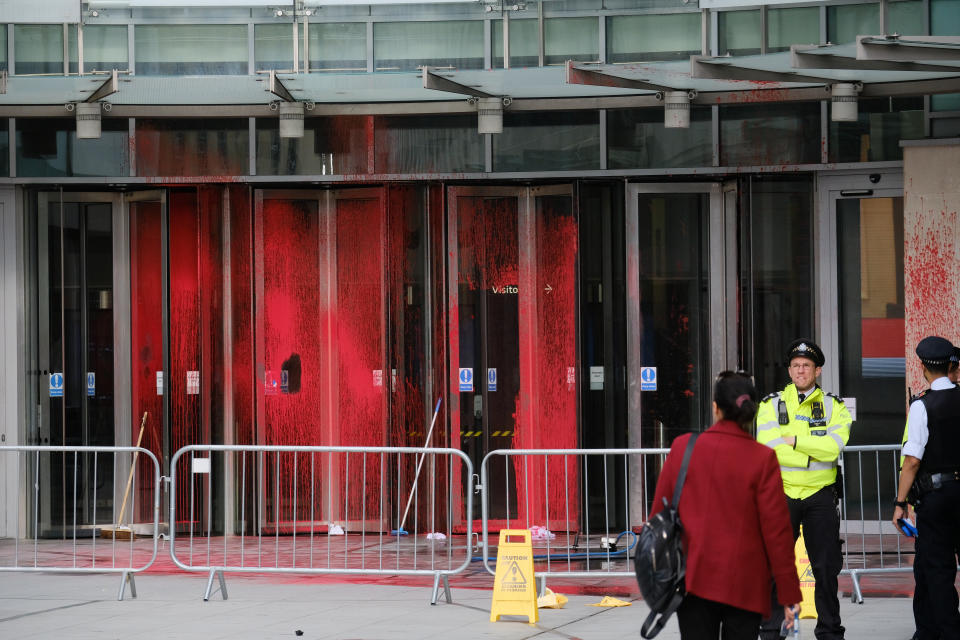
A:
[466,379]
[91,383]
[56,385]
[648,378]
[491,379]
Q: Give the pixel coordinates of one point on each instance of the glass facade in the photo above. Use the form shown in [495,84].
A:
[906,17]
[329,146]
[876,135]
[191,49]
[273,46]
[105,47]
[637,139]
[739,33]
[847,21]
[38,48]
[338,47]
[792,25]
[48,147]
[643,38]
[570,39]
[404,46]
[428,144]
[4,148]
[3,47]
[558,141]
[524,39]
[759,135]
[192,147]
[945,21]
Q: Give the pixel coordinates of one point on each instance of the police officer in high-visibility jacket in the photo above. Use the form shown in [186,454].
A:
[809,429]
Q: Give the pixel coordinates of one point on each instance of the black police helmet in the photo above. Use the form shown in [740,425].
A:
[935,350]
[805,348]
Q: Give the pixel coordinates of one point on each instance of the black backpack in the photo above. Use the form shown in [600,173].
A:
[659,561]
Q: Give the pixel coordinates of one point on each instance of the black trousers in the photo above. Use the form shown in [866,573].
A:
[821,534]
[702,619]
[935,564]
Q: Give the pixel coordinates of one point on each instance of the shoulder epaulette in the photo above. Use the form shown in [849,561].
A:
[918,396]
[835,397]
[771,396]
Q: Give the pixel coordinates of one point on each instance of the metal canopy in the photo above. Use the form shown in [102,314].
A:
[884,66]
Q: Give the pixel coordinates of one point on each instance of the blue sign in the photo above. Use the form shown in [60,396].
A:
[91,383]
[56,385]
[284,381]
[648,378]
[491,379]
[466,379]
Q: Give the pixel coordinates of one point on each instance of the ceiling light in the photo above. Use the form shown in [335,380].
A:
[490,115]
[676,108]
[843,102]
[88,120]
[291,119]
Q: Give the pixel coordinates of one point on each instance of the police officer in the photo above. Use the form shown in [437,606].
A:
[931,467]
[809,429]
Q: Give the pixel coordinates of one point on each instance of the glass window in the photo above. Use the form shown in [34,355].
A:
[524,39]
[404,46]
[428,144]
[193,147]
[906,17]
[674,36]
[3,47]
[794,25]
[4,147]
[558,141]
[876,135]
[273,46]
[338,47]
[944,21]
[49,147]
[847,21]
[776,281]
[570,39]
[739,32]
[73,46]
[191,49]
[105,48]
[329,146]
[637,139]
[758,135]
[38,48]
[945,127]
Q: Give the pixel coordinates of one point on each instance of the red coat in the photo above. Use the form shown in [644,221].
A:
[737,532]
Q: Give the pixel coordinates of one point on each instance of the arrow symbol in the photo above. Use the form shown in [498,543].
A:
[548,288]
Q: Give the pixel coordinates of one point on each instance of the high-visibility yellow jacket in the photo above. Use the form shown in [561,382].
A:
[812,463]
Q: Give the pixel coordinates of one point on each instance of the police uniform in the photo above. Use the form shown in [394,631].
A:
[821,425]
[933,428]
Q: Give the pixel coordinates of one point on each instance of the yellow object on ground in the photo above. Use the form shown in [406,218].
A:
[514,587]
[551,600]
[610,602]
[808,608]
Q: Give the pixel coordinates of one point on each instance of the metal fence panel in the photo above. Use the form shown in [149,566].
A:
[320,510]
[62,495]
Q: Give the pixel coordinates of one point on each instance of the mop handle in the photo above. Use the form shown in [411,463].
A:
[420,464]
[133,466]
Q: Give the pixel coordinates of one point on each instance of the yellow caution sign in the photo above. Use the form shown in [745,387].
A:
[808,608]
[514,587]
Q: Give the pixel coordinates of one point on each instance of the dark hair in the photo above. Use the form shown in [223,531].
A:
[940,368]
[736,397]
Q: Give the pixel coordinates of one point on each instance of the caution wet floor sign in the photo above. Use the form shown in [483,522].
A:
[514,587]
[808,608]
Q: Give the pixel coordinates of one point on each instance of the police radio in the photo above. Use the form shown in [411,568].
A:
[782,416]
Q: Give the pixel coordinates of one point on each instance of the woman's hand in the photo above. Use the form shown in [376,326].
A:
[790,613]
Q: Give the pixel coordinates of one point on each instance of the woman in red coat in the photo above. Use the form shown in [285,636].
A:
[736,529]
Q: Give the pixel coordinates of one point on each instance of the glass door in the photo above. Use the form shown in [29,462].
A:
[74,277]
[681,319]
[866,326]
[512,304]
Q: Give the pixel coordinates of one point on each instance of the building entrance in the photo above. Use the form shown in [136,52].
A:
[72,311]
[512,255]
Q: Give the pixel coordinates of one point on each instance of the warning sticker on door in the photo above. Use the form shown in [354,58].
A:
[193,383]
[56,385]
[466,379]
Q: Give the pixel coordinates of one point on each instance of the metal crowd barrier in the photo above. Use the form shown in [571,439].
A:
[321,510]
[872,545]
[62,493]
[567,497]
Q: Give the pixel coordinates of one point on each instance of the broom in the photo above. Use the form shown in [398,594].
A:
[121,532]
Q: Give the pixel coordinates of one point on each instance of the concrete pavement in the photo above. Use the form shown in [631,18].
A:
[171,606]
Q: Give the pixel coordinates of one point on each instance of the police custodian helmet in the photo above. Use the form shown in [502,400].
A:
[935,350]
[805,348]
